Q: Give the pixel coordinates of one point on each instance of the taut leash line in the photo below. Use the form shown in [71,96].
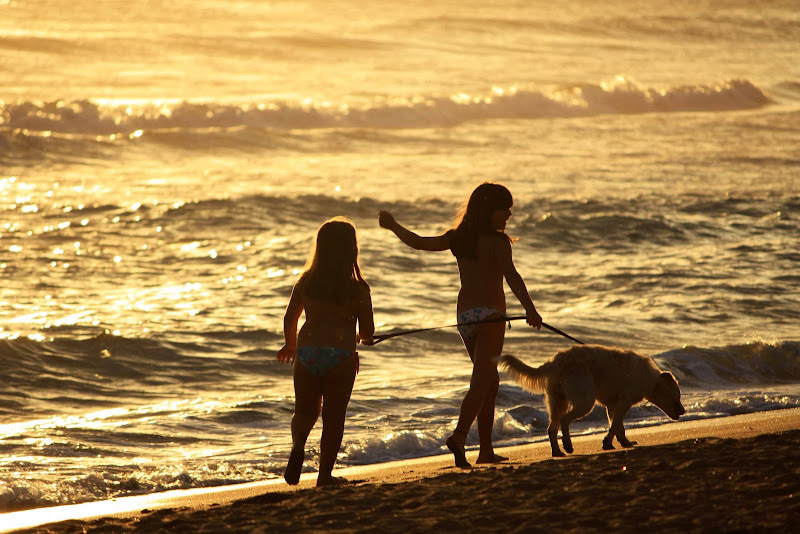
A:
[383,337]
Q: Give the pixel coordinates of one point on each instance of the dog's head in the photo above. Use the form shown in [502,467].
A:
[667,396]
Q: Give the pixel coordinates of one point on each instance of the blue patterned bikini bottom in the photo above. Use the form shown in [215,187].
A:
[475,315]
[320,360]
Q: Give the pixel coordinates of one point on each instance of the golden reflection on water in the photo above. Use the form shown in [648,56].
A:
[111,418]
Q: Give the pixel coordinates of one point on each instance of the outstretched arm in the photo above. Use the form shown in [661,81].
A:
[440,242]
[517,285]
[290,318]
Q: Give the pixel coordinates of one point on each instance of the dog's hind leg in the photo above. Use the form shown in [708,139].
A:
[579,389]
[556,406]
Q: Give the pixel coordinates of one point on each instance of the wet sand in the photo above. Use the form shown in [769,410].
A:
[738,473]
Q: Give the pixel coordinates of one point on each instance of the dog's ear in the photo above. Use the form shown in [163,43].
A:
[668,380]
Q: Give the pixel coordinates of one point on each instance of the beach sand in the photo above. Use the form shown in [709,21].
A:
[739,473]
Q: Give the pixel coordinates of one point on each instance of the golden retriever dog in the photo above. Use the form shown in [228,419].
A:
[574,379]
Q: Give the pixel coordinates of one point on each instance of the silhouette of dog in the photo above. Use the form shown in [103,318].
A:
[574,379]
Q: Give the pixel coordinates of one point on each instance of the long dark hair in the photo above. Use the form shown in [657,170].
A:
[475,218]
[332,270]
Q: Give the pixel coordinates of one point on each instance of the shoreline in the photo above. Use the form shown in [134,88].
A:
[685,448]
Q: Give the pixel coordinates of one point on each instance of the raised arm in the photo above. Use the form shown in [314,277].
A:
[440,242]
[517,284]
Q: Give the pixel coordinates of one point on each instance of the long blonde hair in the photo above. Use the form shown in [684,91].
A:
[332,271]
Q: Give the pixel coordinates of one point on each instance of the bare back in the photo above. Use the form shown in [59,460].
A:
[334,325]
[482,277]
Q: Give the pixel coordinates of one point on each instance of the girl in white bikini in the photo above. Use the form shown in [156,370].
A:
[483,252]
[335,297]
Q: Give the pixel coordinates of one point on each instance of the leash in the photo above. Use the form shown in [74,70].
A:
[383,337]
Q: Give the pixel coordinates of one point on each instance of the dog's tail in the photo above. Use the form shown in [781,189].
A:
[530,378]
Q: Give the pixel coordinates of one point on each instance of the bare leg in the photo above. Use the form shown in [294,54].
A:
[307,403]
[486,425]
[456,445]
[336,389]
[482,391]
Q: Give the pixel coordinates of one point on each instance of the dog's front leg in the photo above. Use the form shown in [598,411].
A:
[617,427]
[625,442]
[565,437]
[608,441]
[616,415]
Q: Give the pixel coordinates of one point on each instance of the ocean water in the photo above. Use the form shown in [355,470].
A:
[165,165]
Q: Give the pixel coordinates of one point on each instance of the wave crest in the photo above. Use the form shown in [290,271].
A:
[735,365]
[131,121]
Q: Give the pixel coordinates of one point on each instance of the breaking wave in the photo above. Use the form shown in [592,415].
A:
[111,119]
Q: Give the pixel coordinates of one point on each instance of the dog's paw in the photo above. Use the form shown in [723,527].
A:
[607,445]
[568,447]
[557,453]
[627,443]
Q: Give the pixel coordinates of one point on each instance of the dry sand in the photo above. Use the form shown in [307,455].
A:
[738,473]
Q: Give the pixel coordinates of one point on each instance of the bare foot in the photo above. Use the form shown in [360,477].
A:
[294,467]
[458,452]
[493,459]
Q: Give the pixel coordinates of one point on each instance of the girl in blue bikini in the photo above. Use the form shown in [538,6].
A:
[335,297]
[483,252]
